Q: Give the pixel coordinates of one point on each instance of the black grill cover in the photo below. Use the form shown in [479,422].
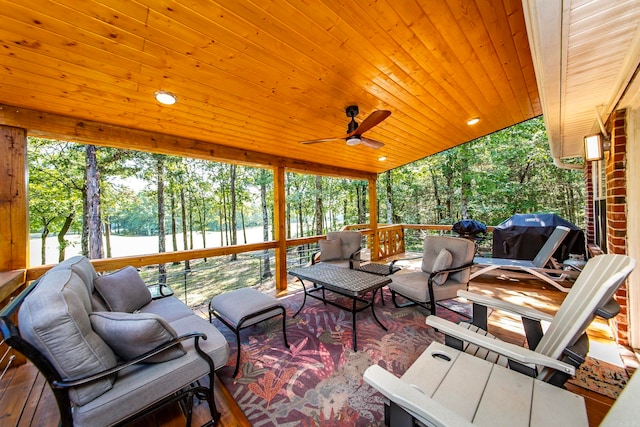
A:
[523,235]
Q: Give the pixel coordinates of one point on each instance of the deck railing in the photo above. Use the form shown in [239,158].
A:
[200,273]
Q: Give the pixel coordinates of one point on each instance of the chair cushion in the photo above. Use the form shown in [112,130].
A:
[132,334]
[123,290]
[330,249]
[350,241]
[243,303]
[442,262]
[54,318]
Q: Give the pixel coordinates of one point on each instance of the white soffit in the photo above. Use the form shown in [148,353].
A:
[585,54]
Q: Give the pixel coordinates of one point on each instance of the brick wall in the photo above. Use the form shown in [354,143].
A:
[617,211]
[590,234]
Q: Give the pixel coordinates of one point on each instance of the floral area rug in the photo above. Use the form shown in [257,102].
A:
[319,380]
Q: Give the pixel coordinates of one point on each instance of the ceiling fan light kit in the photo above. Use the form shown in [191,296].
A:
[353,140]
[355,131]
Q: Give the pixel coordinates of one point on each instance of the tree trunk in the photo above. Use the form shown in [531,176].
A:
[93,201]
[319,215]
[233,211]
[203,224]
[190,222]
[162,269]
[266,270]
[244,228]
[389,198]
[107,236]
[288,213]
[183,213]
[436,195]
[174,225]
[84,240]
[62,243]
[43,237]
[465,180]
[300,224]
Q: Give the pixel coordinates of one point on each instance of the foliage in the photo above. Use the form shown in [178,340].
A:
[488,179]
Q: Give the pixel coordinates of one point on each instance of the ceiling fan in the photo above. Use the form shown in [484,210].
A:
[355,131]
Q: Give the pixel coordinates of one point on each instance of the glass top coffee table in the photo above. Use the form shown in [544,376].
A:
[343,281]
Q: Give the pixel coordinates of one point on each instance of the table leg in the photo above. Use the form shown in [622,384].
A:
[304,300]
[373,311]
[353,321]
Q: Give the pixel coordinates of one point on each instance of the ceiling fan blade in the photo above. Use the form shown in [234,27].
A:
[371,143]
[371,121]
[315,141]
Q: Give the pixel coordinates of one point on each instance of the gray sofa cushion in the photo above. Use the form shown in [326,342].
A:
[123,290]
[82,267]
[132,334]
[54,318]
[142,384]
[169,308]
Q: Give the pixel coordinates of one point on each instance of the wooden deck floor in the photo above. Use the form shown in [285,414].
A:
[27,400]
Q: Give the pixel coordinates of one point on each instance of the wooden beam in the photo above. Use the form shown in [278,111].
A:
[14,207]
[55,126]
[280,232]
[373,218]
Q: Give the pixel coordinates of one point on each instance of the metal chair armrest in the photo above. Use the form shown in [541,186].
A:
[108,372]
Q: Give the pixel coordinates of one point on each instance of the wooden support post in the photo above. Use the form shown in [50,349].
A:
[14,208]
[280,234]
[373,217]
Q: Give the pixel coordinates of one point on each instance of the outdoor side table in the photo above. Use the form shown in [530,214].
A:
[380,270]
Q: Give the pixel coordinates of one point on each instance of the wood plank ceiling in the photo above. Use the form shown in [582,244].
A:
[264,75]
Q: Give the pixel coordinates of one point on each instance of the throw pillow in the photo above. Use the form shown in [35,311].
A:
[123,290]
[330,249]
[442,262]
[132,334]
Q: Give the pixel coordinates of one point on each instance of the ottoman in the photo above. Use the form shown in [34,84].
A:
[245,307]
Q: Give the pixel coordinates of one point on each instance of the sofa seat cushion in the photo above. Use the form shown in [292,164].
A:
[132,334]
[123,290]
[54,318]
[169,308]
[144,384]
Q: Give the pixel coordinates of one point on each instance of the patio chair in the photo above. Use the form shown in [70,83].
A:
[340,248]
[565,340]
[445,269]
[541,266]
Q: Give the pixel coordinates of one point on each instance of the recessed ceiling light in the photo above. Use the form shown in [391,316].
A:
[164,97]
[382,158]
[473,121]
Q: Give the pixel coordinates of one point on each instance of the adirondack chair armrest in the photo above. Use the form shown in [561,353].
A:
[412,400]
[510,351]
[528,312]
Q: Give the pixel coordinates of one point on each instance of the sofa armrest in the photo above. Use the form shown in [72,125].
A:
[109,372]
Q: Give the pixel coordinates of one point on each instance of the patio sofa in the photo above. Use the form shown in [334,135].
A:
[108,350]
